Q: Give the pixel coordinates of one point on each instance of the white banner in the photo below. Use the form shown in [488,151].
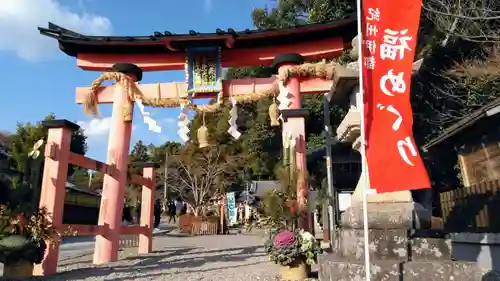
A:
[231,208]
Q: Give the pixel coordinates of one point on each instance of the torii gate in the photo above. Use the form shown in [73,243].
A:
[285,49]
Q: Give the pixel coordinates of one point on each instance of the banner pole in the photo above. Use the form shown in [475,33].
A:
[361,102]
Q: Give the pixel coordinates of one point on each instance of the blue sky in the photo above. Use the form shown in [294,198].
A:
[37,78]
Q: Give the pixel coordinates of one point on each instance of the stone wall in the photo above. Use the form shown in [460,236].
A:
[398,255]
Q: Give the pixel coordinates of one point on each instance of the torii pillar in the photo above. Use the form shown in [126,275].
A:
[294,123]
[113,192]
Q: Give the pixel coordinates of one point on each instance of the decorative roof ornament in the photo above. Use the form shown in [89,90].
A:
[233,127]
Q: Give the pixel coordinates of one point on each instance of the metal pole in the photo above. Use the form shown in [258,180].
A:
[91,173]
[165,177]
[329,173]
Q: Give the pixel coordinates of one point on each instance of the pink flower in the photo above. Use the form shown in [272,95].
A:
[283,239]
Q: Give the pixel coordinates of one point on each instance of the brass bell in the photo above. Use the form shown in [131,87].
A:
[203,136]
[274,114]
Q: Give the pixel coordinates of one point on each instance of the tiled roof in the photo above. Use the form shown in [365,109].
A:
[73,43]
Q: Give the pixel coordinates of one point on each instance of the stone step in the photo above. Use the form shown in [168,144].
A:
[333,268]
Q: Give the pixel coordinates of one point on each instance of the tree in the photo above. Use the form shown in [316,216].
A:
[469,20]
[159,157]
[261,142]
[140,153]
[290,13]
[203,174]
[22,141]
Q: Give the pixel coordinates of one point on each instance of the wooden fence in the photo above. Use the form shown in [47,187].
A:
[57,158]
[473,208]
[199,226]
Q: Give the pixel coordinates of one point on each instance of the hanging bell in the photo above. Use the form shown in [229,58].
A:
[274,114]
[203,136]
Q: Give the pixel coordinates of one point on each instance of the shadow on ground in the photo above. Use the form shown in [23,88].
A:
[170,258]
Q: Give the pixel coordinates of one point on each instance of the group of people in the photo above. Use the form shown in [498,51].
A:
[173,209]
[176,208]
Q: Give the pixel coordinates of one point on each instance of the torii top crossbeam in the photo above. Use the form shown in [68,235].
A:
[167,51]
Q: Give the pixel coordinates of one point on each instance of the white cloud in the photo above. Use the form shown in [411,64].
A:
[97,127]
[19,20]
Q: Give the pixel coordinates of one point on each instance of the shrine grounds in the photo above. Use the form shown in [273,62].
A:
[179,257]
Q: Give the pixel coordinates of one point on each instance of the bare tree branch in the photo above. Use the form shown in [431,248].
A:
[198,177]
[471,20]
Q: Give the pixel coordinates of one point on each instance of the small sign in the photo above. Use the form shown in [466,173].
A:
[231,208]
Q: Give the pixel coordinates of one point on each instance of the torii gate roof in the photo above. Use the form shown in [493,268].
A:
[166,51]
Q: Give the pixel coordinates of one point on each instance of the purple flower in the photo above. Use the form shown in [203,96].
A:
[283,239]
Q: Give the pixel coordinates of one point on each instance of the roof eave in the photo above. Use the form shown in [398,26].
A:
[488,110]
[68,36]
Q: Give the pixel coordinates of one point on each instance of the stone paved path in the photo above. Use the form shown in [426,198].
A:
[225,257]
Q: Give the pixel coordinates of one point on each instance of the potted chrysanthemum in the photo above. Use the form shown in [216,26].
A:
[295,252]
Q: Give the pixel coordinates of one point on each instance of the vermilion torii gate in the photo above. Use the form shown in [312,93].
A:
[285,49]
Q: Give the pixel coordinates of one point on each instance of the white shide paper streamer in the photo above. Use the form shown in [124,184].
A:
[283,97]
[233,128]
[153,126]
[183,124]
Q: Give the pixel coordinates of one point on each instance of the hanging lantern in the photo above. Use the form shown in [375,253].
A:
[203,136]
[274,114]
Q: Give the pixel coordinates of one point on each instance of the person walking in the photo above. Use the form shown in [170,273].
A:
[157,213]
[171,212]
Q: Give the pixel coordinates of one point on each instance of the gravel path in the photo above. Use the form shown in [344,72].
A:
[175,257]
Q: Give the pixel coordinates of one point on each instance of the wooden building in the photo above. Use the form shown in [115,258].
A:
[473,206]
[476,139]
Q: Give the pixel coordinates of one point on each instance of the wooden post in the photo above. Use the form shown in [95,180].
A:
[147,209]
[55,174]
[113,192]
[222,213]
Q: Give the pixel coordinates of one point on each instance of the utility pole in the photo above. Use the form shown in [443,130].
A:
[165,176]
[332,196]
[91,173]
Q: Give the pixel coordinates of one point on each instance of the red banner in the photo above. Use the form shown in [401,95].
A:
[389,38]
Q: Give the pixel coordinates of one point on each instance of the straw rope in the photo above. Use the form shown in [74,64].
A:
[319,70]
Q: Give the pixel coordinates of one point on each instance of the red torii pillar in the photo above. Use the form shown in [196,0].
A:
[53,189]
[113,192]
[294,123]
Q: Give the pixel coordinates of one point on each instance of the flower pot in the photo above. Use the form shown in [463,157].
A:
[295,272]
[19,269]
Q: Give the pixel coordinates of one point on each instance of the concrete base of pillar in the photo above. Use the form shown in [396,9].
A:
[396,255]
[400,248]
[333,269]
[382,215]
